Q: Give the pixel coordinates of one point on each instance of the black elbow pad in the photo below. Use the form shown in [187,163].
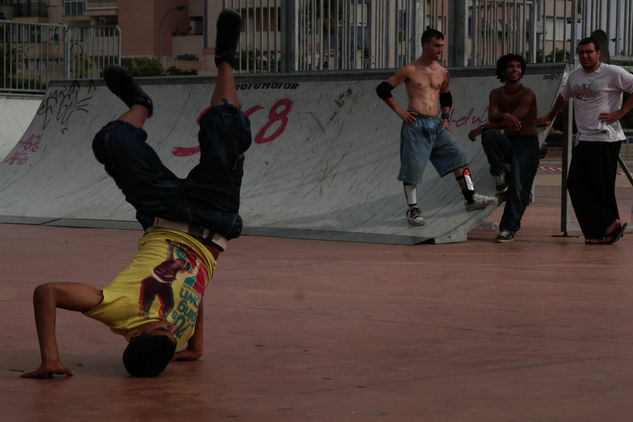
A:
[446,99]
[383,90]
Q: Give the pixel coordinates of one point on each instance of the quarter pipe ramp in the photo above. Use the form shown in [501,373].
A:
[323,163]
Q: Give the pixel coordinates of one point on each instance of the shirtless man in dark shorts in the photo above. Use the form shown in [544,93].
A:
[426,135]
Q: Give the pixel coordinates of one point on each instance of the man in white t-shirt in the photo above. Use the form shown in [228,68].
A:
[597,90]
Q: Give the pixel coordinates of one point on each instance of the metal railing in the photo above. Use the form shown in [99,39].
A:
[548,30]
[357,34]
[615,17]
[261,41]
[101,4]
[33,54]
[309,35]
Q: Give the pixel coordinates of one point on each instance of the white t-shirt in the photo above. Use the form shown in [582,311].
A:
[597,92]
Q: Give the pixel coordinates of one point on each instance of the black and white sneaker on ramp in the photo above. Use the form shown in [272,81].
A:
[414,216]
[480,201]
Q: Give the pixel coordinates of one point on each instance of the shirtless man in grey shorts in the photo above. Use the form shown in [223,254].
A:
[425,136]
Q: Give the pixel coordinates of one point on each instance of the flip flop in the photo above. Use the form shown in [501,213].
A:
[616,234]
[610,238]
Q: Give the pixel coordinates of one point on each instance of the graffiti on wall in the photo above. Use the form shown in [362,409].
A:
[63,103]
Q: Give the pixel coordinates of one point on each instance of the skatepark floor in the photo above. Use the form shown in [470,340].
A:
[305,330]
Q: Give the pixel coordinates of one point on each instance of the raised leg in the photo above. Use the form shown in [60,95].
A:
[229,26]
[225,86]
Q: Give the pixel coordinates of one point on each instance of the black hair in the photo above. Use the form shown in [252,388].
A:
[503,61]
[148,355]
[589,40]
[431,33]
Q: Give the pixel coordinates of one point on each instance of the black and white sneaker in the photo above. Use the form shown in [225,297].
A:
[414,216]
[505,236]
[123,85]
[229,26]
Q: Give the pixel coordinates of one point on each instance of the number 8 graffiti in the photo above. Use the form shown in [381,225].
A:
[274,115]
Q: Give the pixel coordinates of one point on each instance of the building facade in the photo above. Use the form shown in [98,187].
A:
[306,35]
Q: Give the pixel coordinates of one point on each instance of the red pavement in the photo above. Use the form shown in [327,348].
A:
[297,330]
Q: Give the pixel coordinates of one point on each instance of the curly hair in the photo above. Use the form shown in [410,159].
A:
[503,61]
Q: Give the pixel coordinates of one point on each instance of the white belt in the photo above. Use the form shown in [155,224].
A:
[193,230]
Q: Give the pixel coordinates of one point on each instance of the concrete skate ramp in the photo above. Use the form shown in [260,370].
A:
[16,113]
[323,163]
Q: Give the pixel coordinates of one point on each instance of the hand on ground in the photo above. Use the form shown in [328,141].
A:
[187,354]
[48,370]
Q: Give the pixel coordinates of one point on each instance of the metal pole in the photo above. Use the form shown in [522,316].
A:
[617,28]
[629,25]
[268,31]
[583,24]
[484,34]
[247,31]
[354,33]
[574,30]
[458,33]
[566,224]
[289,36]
[329,33]
[533,44]
[344,48]
[495,33]
[567,146]
[625,169]
[369,35]
[66,52]
[276,37]
[313,33]
[608,28]
[565,32]
[4,54]
[475,23]
[261,34]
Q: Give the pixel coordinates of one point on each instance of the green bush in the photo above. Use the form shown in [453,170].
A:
[81,67]
[143,66]
[174,71]
[254,61]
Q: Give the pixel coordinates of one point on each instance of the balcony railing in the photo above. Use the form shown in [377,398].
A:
[101,4]
[30,10]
